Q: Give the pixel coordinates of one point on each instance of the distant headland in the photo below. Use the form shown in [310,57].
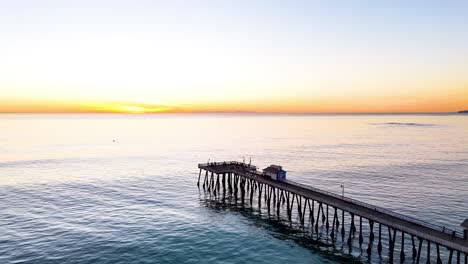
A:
[463,112]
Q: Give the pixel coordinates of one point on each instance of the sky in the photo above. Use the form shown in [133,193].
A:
[233,56]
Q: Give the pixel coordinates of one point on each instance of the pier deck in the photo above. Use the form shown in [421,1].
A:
[408,225]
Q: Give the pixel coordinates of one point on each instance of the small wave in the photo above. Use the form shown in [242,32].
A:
[402,124]
[19,163]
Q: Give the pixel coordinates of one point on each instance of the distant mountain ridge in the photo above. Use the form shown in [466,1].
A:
[463,112]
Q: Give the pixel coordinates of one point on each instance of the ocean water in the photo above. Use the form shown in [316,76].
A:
[122,188]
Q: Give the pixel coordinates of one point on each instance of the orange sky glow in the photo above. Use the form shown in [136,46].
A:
[164,57]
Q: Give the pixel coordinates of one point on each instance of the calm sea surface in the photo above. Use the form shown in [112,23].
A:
[70,194]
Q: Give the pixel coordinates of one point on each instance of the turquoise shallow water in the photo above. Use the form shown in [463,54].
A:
[70,194]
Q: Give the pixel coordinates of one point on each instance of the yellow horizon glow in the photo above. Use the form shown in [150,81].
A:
[337,104]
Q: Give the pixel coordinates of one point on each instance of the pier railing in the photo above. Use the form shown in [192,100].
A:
[380,209]
[239,163]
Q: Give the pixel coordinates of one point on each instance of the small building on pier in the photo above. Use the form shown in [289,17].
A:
[275,172]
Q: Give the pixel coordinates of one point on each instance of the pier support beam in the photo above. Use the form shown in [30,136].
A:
[333,225]
[212,181]
[216,186]
[273,190]
[312,213]
[450,256]
[299,207]
[342,226]
[327,225]
[199,175]
[241,188]
[323,213]
[292,205]
[337,220]
[369,248]
[439,260]
[236,181]
[371,237]
[278,203]
[419,250]
[318,216]
[252,190]
[350,230]
[205,179]
[209,182]
[428,259]
[260,188]
[304,210]
[379,245]
[391,242]
[229,183]
[269,198]
[361,239]
[402,251]
[224,184]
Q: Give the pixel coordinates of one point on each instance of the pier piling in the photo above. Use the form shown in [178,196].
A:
[402,251]
[379,246]
[428,259]
[361,239]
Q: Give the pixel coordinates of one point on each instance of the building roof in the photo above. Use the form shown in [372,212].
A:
[271,169]
[276,166]
[465,224]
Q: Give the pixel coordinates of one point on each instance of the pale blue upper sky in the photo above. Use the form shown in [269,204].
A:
[195,51]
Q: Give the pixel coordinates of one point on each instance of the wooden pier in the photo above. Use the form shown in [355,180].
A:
[234,177]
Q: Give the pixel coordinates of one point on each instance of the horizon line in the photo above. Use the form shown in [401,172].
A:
[240,112]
